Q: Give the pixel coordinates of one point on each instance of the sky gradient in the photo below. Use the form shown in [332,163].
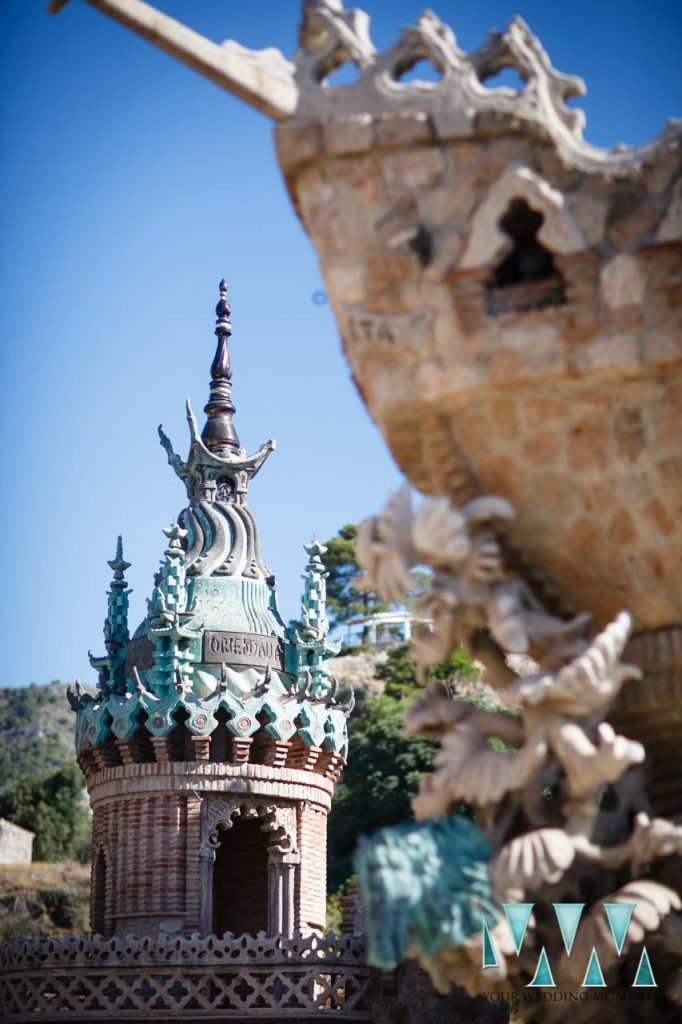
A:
[130,186]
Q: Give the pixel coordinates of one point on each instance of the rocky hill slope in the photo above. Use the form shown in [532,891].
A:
[36,731]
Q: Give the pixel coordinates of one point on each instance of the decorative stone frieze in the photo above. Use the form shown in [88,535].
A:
[292,978]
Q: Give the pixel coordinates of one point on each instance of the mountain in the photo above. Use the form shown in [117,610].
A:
[36,732]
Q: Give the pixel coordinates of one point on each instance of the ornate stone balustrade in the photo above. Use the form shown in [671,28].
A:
[172,977]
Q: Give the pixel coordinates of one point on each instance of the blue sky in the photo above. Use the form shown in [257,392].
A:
[129,187]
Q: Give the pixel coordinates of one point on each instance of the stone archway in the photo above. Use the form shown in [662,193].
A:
[279,825]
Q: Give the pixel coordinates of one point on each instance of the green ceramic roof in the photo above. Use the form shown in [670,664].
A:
[213,637]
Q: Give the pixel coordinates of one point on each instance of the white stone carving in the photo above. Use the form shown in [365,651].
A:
[220,813]
[469,588]
[488,243]
[331,36]
[559,738]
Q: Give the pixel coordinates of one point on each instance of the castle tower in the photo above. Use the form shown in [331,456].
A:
[216,735]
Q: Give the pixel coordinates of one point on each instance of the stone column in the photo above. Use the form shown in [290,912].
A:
[207,858]
[281,885]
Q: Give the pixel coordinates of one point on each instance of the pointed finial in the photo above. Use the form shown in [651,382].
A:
[219,433]
[118,563]
[221,366]
[315,549]
[176,535]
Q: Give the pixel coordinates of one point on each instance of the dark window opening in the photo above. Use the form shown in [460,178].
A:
[262,741]
[99,894]
[240,880]
[219,745]
[527,278]
[180,739]
[224,489]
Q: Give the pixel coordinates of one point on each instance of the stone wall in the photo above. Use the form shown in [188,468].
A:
[573,409]
[16,844]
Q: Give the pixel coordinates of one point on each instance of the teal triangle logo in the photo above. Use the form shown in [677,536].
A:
[593,975]
[645,976]
[543,977]
[489,954]
[568,915]
[518,916]
[619,915]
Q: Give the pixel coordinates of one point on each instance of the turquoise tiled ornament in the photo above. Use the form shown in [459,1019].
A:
[424,886]
[213,640]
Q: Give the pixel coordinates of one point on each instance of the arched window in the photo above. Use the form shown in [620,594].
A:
[527,277]
[240,879]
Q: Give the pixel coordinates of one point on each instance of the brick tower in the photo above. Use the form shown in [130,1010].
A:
[212,745]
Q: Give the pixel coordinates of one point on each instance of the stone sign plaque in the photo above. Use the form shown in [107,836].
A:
[242,649]
[402,330]
[140,653]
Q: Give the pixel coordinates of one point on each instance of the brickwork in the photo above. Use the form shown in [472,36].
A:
[147,827]
[312,884]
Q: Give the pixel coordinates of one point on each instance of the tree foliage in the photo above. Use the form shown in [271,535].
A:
[50,804]
[36,732]
[384,767]
[382,774]
[343,602]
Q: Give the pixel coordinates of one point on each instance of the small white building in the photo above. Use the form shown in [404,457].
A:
[384,629]
[16,843]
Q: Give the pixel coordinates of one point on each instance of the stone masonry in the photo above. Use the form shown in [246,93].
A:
[16,843]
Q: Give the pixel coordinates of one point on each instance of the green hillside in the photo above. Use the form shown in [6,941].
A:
[41,786]
[36,732]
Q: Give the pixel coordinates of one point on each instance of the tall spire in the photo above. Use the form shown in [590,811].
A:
[111,666]
[219,434]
